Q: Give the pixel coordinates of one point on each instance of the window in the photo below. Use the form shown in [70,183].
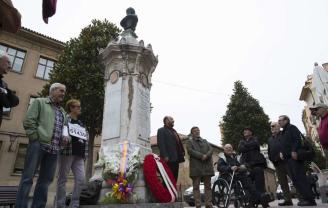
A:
[20,158]
[16,57]
[44,68]
[6,112]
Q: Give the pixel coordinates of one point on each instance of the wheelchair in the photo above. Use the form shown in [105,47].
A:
[227,189]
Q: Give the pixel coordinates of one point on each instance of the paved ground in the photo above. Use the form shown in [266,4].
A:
[275,204]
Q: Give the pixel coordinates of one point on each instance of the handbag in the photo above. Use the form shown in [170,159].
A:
[306,151]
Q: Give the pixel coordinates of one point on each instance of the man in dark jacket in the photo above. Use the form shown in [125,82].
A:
[291,140]
[7,98]
[170,146]
[249,147]
[228,163]
[200,166]
[275,149]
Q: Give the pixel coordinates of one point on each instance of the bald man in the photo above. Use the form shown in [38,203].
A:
[7,98]
[170,146]
[228,163]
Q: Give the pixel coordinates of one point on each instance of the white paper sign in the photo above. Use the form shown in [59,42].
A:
[77,131]
[65,131]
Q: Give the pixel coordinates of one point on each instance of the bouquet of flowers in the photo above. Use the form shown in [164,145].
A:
[120,171]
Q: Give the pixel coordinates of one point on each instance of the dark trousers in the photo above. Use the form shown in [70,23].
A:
[282,172]
[314,190]
[174,167]
[247,184]
[297,173]
[257,176]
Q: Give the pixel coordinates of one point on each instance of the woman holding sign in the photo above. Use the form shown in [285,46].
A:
[72,156]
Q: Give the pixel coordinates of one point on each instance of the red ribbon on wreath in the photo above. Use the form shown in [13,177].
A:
[157,188]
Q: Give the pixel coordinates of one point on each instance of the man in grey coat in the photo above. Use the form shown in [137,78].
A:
[201,166]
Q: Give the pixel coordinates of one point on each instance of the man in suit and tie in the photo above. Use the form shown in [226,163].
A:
[170,146]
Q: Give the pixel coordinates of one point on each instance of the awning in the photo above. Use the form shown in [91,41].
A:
[10,18]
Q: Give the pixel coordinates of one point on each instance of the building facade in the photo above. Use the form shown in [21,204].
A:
[310,122]
[33,56]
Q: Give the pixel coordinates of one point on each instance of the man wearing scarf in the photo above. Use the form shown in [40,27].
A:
[170,146]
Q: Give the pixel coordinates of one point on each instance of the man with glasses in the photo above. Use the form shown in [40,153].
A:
[321,110]
[291,140]
[7,98]
[275,149]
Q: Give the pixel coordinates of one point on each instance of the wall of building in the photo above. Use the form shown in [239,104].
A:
[12,135]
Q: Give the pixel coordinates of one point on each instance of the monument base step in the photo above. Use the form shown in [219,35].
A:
[141,205]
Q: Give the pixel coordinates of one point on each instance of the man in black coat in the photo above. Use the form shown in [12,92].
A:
[275,149]
[291,140]
[170,146]
[7,98]
[251,156]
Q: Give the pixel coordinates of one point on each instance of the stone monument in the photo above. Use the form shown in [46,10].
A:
[129,66]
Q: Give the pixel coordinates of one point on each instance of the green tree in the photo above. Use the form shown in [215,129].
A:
[79,67]
[244,111]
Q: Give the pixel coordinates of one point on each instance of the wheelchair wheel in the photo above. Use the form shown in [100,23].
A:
[220,193]
[242,197]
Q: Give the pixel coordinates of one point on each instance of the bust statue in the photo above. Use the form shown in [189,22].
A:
[130,20]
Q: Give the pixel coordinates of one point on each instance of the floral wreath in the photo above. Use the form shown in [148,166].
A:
[155,184]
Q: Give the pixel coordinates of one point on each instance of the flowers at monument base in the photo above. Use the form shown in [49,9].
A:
[159,179]
[120,171]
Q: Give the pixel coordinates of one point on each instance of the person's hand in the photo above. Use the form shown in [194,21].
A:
[234,168]
[242,168]
[3,91]
[166,159]
[294,155]
[281,156]
[204,157]
[64,141]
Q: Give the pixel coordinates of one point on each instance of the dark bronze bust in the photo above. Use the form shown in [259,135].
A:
[130,20]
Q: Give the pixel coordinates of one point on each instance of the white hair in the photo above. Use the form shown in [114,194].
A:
[3,54]
[55,86]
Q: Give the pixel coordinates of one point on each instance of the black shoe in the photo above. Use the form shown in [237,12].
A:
[286,203]
[307,203]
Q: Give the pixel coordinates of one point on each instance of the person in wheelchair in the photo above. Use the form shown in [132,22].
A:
[227,164]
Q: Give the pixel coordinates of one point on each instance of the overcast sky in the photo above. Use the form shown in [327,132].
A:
[204,46]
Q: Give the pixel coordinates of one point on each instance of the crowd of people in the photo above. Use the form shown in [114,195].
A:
[283,150]
[57,135]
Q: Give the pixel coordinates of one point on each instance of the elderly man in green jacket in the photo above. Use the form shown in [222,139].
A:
[44,124]
[201,166]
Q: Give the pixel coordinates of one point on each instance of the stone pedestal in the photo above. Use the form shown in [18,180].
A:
[128,69]
[141,205]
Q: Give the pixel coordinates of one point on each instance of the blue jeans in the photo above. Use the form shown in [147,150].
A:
[34,158]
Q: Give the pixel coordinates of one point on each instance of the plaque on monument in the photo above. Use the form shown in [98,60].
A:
[112,114]
[143,112]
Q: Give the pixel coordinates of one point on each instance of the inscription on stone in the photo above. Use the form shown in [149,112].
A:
[112,115]
[143,112]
